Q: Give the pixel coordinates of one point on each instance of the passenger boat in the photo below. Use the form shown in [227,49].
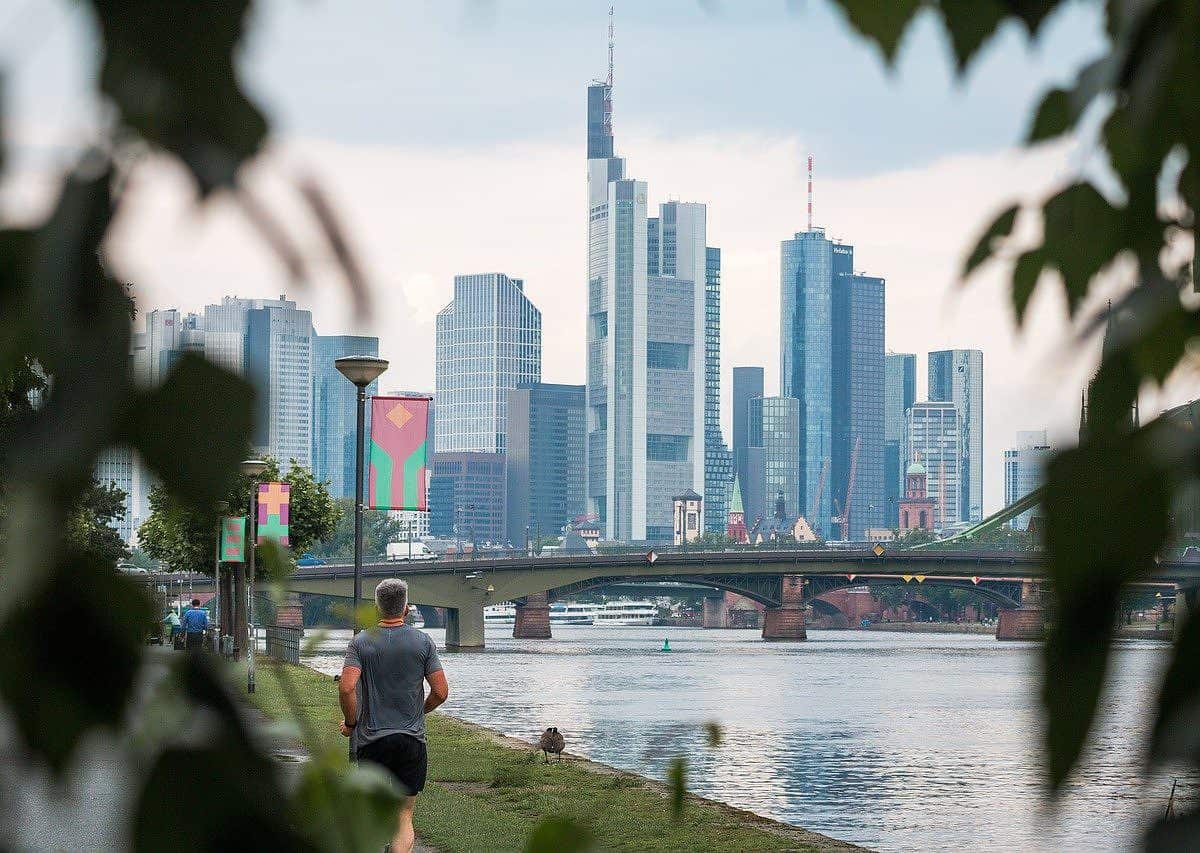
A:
[499,614]
[571,613]
[626,613]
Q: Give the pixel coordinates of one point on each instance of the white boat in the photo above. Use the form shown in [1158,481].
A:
[626,613]
[414,617]
[499,614]
[571,613]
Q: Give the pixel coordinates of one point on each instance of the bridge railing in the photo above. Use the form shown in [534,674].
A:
[283,643]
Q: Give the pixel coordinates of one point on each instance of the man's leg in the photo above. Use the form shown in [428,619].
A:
[403,840]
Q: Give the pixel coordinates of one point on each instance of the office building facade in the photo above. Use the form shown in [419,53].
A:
[1024,471]
[934,440]
[957,376]
[466,497]
[546,432]
[775,424]
[718,458]
[334,410]
[899,393]
[747,384]
[648,282]
[858,399]
[489,341]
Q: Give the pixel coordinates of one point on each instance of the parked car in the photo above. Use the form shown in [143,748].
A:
[310,560]
[130,569]
[405,551]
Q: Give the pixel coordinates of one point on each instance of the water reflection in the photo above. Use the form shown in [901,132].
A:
[894,741]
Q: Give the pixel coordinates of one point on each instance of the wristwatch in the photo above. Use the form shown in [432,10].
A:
[350,725]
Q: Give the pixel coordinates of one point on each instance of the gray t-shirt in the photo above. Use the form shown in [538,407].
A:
[391,692]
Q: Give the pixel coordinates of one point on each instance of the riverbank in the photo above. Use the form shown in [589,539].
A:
[934,627]
[485,792]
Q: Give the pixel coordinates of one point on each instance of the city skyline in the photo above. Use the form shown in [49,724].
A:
[756,194]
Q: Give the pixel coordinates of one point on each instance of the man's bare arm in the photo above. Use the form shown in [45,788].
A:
[439,689]
[347,697]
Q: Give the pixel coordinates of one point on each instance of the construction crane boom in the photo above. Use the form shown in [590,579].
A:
[850,489]
[816,508]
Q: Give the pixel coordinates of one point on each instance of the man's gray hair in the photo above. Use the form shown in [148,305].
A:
[391,597]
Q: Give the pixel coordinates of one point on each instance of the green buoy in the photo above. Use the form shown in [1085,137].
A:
[666,645]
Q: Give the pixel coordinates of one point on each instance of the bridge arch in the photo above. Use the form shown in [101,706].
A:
[763,589]
[1004,594]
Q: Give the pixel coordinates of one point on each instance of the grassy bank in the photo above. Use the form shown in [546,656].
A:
[485,793]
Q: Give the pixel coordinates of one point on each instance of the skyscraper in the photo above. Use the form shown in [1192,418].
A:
[1024,470]
[334,410]
[466,497]
[957,375]
[489,340]
[899,393]
[115,466]
[934,440]
[858,398]
[747,384]
[718,459]
[546,433]
[169,333]
[648,322]
[806,361]
[774,430]
[269,341]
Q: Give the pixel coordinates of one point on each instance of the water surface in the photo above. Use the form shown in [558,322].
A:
[894,741]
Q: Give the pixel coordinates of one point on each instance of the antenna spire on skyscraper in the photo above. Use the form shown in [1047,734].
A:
[810,173]
[610,45]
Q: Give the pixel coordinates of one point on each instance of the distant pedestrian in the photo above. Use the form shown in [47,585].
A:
[172,623]
[195,623]
[385,718]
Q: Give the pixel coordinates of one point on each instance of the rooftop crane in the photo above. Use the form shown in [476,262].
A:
[843,519]
[816,508]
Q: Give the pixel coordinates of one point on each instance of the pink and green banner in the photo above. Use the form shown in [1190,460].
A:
[396,476]
[274,511]
[233,540]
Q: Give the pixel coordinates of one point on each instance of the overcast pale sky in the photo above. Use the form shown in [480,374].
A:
[451,135]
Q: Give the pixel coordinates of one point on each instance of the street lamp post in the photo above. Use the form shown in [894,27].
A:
[253,469]
[361,370]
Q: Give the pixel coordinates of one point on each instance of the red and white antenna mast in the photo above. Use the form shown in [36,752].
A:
[810,171]
[610,45]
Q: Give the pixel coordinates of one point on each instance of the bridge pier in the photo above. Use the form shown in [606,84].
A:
[1026,623]
[464,627]
[716,613]
[533,618]
[786,622]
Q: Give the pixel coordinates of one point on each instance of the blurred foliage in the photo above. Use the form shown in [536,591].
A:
[185,538]
[379,528]
[1109,500]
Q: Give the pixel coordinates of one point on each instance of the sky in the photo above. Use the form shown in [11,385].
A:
[450,136]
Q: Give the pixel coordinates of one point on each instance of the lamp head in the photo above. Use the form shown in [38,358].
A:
[362,370]
[253,467]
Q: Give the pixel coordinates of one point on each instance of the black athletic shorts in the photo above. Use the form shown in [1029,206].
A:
[403,755]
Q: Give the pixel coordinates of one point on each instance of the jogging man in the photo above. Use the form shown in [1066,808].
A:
[195,623]
[386,717]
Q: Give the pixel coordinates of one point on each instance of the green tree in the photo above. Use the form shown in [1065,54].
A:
[378,530]
[89,526]
[186,539]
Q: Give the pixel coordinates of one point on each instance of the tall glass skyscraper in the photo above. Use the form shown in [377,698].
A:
[899,393]
[334,413]
[806,360]
[269,341]
[489,341]
[934,439]
[647,344]
[747,384]
[858,398]
[546,434]
[718,459]
[1024,471]
[957,375]
[774,424]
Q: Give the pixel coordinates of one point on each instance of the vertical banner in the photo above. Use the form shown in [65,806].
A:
[274,511]
[396,476]
[233,540]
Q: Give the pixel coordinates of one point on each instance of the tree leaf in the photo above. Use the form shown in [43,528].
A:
[882,23]
[1083,233]
[1176,835]
[970,23]
[68,657]
[1026,274]
[1106,517]
[558,835]
[351,809]
[677,780]
[1055,116]
[193,430]
[1176,733]
[169,69]
[1002,226]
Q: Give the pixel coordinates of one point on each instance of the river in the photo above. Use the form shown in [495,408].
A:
[894,741]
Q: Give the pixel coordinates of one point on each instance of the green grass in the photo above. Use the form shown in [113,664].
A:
[483,795]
